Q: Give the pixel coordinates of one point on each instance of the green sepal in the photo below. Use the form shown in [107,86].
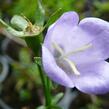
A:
[56,98]
[16,33]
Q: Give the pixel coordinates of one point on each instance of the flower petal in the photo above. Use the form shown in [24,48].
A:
[70,36]
[61,28]
[98,30]
[54,71]
[95,26]
[94,78]
[99,51]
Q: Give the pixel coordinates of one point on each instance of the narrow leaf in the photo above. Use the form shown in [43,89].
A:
[53,17]
[41,107]
[3,24]
[40,14]
[56,99]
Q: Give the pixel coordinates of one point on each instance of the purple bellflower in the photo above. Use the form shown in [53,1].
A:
[74,53]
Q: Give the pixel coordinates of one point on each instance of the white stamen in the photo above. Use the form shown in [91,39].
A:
[77,50]
[72,66]
[57,47]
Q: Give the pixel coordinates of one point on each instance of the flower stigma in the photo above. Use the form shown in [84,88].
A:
[64,57]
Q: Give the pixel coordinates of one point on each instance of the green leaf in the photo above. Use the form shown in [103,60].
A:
[25,95]
[24,56]
[53,17]
[56,99]
[50,107]
[55,107]
[41,107]
[40,14]
[3,24]
[33,72]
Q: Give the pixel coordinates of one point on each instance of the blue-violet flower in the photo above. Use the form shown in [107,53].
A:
[74,54]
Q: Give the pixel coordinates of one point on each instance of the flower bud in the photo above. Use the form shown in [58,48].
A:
[19,22]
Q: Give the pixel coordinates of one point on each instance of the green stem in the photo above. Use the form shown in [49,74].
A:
[46,88]
[34,44]
[49,90]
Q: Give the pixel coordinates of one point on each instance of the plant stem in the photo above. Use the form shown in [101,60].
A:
[49,90]
[46,88]
[34,44]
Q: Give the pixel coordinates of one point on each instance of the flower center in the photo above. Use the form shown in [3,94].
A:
[62,58]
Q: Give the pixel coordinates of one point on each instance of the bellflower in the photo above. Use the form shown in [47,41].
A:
[74,53]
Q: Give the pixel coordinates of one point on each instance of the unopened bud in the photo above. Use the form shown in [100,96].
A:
[19,22]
